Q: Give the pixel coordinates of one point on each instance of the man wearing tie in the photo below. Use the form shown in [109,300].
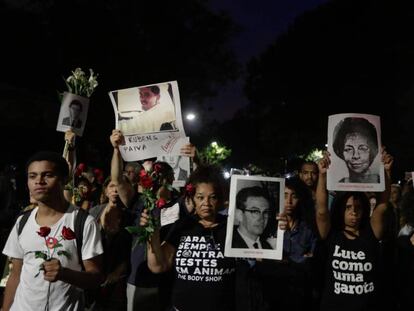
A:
[75,111]
[252,214]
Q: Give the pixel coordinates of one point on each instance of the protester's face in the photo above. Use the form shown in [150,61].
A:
[255,215]
[131,174]
[75,111]
[353,213]
[291,201]
[309,175]
[206,201]
[43,181]
[148,98]
[357,153]
[112,192]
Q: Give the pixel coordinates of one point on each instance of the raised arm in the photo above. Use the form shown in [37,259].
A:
[323,220]
[125,190]
[377,218]
[159,256]
[69,153]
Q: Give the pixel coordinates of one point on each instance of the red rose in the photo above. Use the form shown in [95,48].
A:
[160,203]
[68,234]
[98,175]
[100,179]
[146,181]
[44,231]
[157,167]
[51,242]
[143,173]
[80,169]
[190,189]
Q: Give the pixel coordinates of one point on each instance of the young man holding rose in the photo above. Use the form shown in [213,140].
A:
[46,273]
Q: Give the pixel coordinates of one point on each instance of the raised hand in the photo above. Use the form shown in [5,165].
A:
[143,221]
[283,221]
[188,150]
[117,138]
[324,163]
[387,160]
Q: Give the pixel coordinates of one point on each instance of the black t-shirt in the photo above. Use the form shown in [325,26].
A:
[351,272]
[204,278]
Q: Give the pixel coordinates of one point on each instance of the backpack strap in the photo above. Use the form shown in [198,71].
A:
[23,220]
[79,226]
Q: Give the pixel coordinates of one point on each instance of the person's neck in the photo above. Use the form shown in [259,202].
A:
[351,232]
[208,222]
[291,221]
[247,234]
[51,211]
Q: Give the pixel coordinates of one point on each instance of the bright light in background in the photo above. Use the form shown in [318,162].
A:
[226,175]
[190,116]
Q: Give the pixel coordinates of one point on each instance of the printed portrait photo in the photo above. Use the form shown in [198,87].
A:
[181,167]
[354,143]
[146,109]
[252,229]
[73,113]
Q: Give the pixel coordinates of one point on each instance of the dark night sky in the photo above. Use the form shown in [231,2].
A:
[261,22]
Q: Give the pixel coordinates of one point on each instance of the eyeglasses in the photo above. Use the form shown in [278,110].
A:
[257,213]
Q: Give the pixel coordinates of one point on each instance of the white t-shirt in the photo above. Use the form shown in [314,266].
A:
[32,291]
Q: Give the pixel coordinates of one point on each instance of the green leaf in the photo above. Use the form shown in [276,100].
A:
[133,229]
[149,229]
[39,254]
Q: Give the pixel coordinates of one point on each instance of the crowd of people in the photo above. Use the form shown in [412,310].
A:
[73,247]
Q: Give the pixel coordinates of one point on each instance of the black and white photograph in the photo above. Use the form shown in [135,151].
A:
[181,167]
[73,113]
[252,230]
[354,144]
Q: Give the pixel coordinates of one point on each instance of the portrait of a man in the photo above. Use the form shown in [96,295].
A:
[146,109]
[252,228]
[252,214]
[75,112]
[181,167]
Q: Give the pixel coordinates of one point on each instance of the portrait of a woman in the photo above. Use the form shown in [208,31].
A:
[355,142]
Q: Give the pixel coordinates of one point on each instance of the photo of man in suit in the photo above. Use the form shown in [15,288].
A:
[252,214]
[75,111]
